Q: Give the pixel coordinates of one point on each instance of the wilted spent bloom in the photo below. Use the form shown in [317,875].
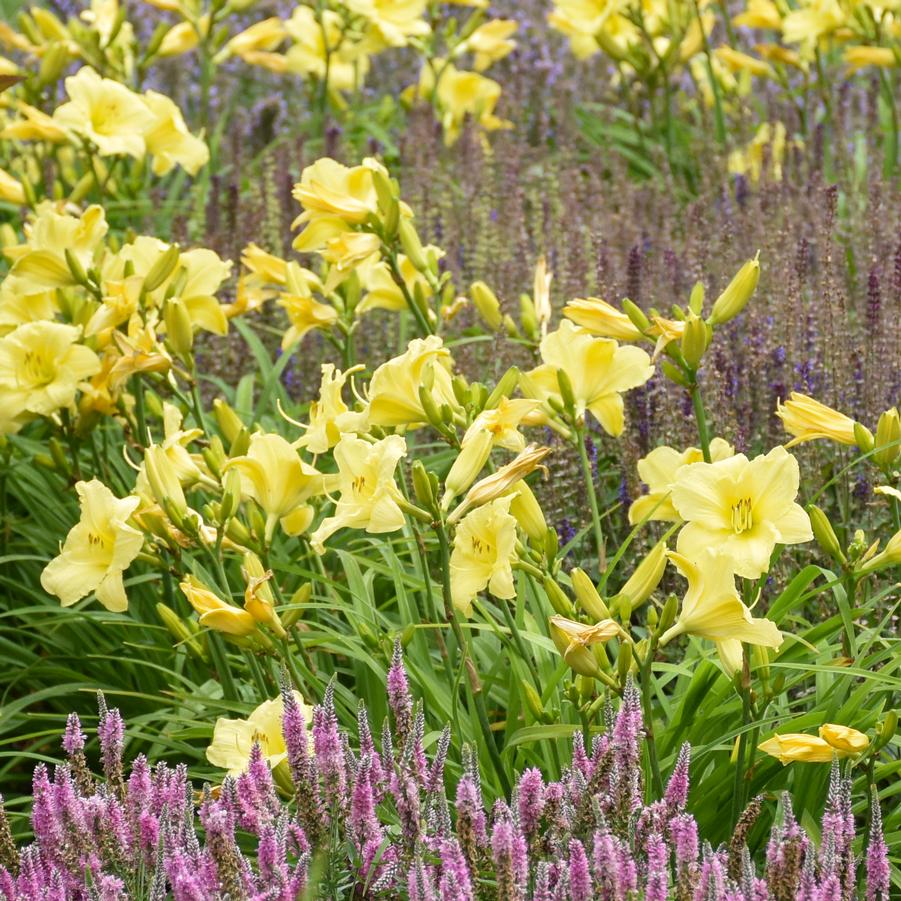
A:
[574,641]
[259,601]
[833,741]
[737,294]
[807,419]
[214,613]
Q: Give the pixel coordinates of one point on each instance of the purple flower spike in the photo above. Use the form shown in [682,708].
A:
[878,869]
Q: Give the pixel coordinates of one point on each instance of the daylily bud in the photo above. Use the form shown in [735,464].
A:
[844,738]
[696,300]
[695,340]
[557,597]
[566,391]
[231,495]
[668,616]
[229,423]
[890,555]
[179,330]
[887,729]
[411,244]
[528,317]
[75,267]
[52,64]
[164,483]
[162,268]
[58,455]
[528,513]
[180,630]
[825,534]
[551,543]
[504,388]
[737,294]
[241,444]
[636,315]
[888,436]
[533,700]
[863,438]
[487,304]
[646,577]
[8,236]
[624,661]
[423,487]
[299,600]
[674,374]
[587,595]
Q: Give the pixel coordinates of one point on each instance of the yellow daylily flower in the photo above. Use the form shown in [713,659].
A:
[498,427]
[394,21]
[273,475]
[833,741]
[483,553]
[348,60]
[267,266]
[741,507]
[382,292]
[215,613]
[736,61]
[713,610]
[168,139]
[305,314]
[368,495]
[330,417]
[105,112]
[602,319]
[329,188]
[760,14]
[489,43]
[658,471]
[265,35]
[41,369]
[859,57]
[807,419]
[599,369]
[182,38]
[35,125]
[96,551]
[188,468]
[817,20]
[233,739]
[394,387]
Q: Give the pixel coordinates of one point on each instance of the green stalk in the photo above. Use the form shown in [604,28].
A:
[738,790]
[647,704]
[697,403]
[592,498]
[220,662]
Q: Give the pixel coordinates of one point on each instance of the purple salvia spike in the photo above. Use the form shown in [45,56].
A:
[416,739]
[676,795]
[406,799]
[712,881]
[435,780]
[399,699]
[363,823]
[455,883]
[303,769]
[508,860]
[657,878]
[683,830]
[580,758]
[9,855]
[543,891]
[388,761]
[329,751]
[367,745]
[420,884]
[111,734]
[530,801]
[73,737]
[471,821]
[580,886]
[878,871]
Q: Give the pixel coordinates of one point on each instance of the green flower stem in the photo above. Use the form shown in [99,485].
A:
[592,498]
[220,662]
[646,678]
[472,674]
[745,690]
[140,413]
[418,315]
[697,403]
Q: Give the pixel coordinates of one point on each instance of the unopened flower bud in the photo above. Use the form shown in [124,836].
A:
[527,317]
[241,444]
[180,630]
[888,439]
[526,510]
[863,437]
[533,700]
[229,422]
[557,597]
[825,534]
[737,294]
[696,300]
[695,340]
[76,268]
[487,304]
[674,374]
[179,330]
[567,395]
[164,483]
[624,661]
[587,595]
[887,729]
[636,315]
[423,487]
[299,600]
[575,642]
[646,577]
[411,245]
[231,495]
[161,269]
[504,388]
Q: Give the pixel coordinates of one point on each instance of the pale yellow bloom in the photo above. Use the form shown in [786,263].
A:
[330,417]
[382,292]
[498,427]
[279,481]
[394,21]
[713,610]
[267,266]
[233,739]
[214,613]
[259,601]
[760,14]
[168,140]
[394,387]
[833,741]
[41,369]
[348,61]
[328,188]
[181,38]
[347,248]
[35,125]
[368,495]
[105,112]
[599,369]
[305,314]
[601,319]
[489,43]
[818,19]
[483,553]
[265,36]
[188,468]
[658,470]
[741,507]
[859,57]
[541,295]
[96,551]
[807,419]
